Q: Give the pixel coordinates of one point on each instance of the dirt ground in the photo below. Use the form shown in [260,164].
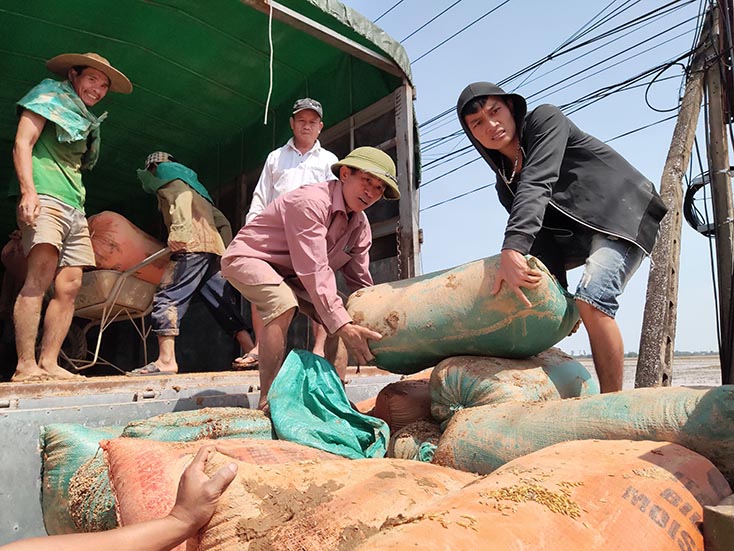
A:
[687,371]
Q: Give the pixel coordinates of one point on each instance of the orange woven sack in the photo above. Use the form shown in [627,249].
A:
[367,406]
[119,245]
[575,496]
[403,402]
[14,260]
[425,374]
[144,474]
[319,505]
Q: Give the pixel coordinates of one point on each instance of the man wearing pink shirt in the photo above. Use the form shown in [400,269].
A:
[287,257]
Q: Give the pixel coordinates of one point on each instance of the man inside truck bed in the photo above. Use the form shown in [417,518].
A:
[197,235]
[57,138]
[301,161]
[286,258]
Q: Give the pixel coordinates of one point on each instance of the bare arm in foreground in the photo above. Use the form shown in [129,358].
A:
[195,503]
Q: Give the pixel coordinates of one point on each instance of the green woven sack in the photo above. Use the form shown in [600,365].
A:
[214,423]
[68,448]
[483,438]
[469,381]
[76,495]
[452,313]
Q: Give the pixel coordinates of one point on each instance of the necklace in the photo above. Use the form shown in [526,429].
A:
[514,169]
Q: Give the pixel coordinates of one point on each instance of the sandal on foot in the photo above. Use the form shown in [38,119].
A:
[150,369]
[248,361]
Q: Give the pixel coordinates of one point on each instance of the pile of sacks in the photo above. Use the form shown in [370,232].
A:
[574,495]
[419,407]
[521,452]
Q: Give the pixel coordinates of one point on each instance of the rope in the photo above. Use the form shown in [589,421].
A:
[270,41]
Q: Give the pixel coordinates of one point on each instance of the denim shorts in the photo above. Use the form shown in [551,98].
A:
[610,265]
[188,274]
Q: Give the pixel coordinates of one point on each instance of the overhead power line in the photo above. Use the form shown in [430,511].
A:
[457,33]
[430,20]
[567,47]
[573,43]
[395,5]
[437,142]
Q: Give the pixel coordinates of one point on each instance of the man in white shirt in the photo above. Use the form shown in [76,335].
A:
[301,161]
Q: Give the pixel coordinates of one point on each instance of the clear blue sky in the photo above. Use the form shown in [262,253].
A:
[511,38]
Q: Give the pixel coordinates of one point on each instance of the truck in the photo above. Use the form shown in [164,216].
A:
[214,83]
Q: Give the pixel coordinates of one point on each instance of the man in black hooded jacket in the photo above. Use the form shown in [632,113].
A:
[572,200]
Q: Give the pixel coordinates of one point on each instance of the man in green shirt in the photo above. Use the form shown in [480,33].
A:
[57,138]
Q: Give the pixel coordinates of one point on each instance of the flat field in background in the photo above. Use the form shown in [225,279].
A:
[687,371]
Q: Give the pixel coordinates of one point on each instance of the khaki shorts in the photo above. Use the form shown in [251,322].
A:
[273,300]
[65,228]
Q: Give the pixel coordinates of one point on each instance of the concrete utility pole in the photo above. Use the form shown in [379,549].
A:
[657,342]
[721,197]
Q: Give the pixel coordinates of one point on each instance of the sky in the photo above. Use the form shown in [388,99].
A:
[497,45]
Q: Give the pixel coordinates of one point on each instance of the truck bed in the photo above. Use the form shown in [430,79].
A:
[102,401]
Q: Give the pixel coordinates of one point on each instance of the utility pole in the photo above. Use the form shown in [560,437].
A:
[721,196]
[657,342]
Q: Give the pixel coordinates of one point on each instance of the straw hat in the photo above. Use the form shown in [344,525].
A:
[376,162]
[62,63]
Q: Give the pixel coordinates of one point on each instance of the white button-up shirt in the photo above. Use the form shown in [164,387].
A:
[287,169]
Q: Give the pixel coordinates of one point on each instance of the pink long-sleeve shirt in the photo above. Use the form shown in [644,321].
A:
[304,237]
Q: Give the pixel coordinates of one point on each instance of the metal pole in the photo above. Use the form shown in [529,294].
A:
[722,201]
[657,341]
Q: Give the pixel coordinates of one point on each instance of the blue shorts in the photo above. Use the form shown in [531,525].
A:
[610,265]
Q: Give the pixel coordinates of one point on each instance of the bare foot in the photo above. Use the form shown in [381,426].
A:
[29,375]
[59,373]
[27,370]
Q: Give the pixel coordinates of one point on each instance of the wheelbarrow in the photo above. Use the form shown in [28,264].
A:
[108,296]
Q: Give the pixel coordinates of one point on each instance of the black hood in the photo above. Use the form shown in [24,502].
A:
[479,89]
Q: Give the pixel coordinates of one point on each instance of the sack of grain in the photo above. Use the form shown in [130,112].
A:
[76,496]
[469,381]
[144,474]
[214,423]
[403,402]
[67,448]
[319,505]
[575,496]
[450,313]
[483,438]
[119,245]
[367,406]
[416,441]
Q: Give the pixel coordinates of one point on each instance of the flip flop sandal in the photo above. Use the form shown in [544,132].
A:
[148,370]
[247,361]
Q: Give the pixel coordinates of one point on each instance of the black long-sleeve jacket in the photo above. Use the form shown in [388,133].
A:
[571,184]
